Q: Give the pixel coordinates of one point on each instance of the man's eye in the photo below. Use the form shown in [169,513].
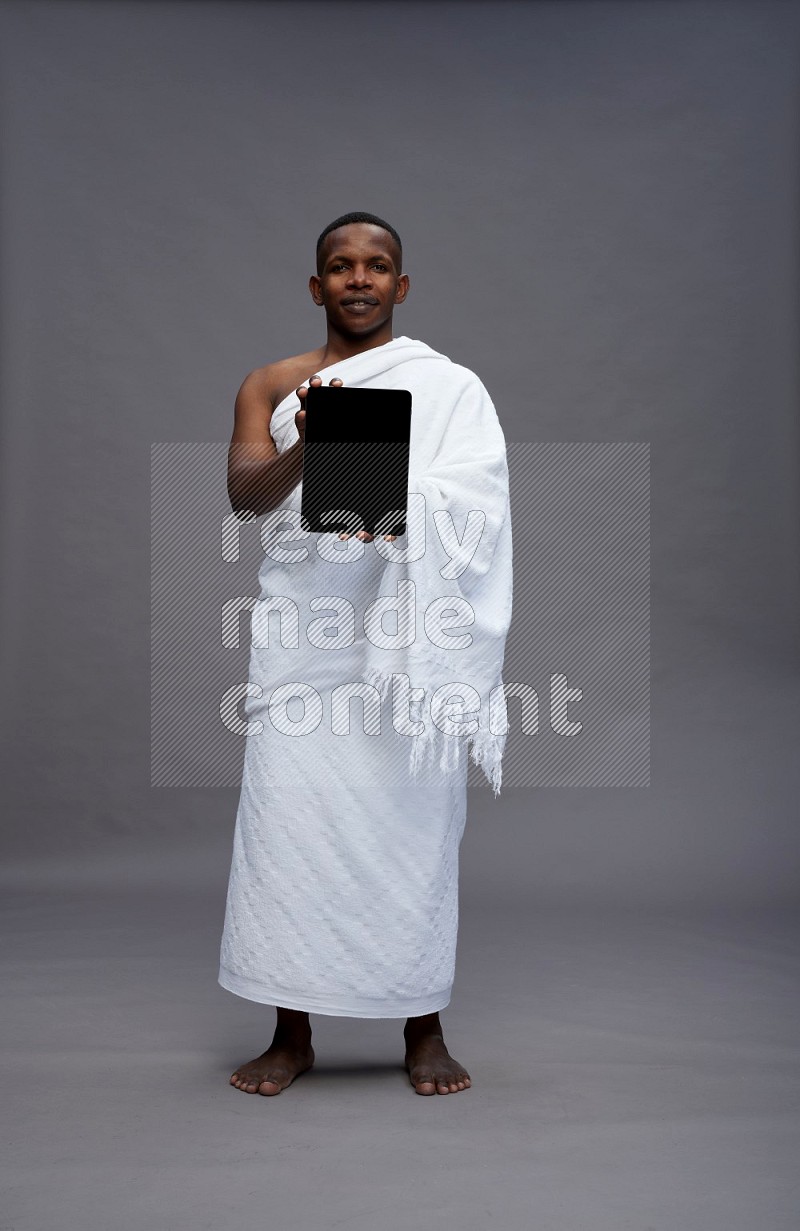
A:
[380,265]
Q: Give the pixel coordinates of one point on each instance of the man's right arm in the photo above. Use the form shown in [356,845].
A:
[259,478]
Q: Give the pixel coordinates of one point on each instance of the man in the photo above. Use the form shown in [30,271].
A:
[343,891]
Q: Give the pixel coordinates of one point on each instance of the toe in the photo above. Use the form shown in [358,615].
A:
[270,1085]
[423,1083]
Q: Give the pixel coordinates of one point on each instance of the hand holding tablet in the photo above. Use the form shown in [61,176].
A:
[356,445]
[300,417]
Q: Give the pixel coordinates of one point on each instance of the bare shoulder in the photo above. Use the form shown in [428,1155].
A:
[282,377]
[264,388]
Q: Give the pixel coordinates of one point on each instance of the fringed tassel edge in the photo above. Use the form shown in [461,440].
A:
[486,749]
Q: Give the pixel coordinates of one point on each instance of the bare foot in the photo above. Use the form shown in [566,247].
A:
[275,1070]
[431,1068]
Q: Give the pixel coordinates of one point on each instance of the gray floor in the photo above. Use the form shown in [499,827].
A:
[631,1069]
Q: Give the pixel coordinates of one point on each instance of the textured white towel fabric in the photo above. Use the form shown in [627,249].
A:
[343,893]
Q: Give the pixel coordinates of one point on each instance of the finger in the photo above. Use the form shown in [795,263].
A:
[344,536]
[303,390]
[336,380]
[389,538]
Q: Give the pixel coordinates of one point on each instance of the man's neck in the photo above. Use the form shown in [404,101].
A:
[343,346]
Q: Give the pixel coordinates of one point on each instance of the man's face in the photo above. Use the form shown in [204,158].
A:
[359,284]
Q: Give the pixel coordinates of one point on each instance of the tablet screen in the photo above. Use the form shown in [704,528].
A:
[355,460]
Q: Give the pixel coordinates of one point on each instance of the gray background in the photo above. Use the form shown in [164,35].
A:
[598,207]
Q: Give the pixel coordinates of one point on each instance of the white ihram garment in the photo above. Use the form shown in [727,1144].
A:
[343,891]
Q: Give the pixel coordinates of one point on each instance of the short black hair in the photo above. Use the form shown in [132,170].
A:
[358,216]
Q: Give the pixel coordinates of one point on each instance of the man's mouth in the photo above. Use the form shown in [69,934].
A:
[363,301]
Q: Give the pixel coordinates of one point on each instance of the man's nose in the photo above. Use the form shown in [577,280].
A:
[359,276]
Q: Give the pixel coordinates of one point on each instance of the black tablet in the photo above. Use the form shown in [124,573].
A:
[355,460]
